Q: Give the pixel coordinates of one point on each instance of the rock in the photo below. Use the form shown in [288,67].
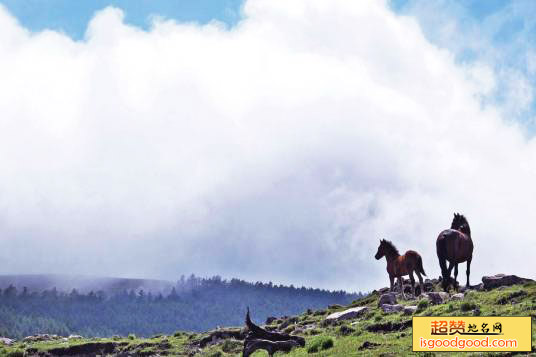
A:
[86,349]
[347,314]
[409,310]
[437,297]
[288,322]
[41,337]
[74,337]
[458,296]
[367,345]
[387,308]
[389,298]
[389,326]
[270,319]
[383,291]
[222,334]
[491,282]
[6,341]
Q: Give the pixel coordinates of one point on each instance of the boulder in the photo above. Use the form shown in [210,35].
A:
[409,310]
[458,296]
[74,337]
[6,341]
[347,314]
[41,337]
[492,282]
[389,298]
[387,308]
[437,297]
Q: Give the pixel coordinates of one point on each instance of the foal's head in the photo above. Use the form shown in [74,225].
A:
[386,248]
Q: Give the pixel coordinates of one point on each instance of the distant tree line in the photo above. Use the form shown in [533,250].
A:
[194,304]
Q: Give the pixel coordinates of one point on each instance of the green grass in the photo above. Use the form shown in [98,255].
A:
[322,339]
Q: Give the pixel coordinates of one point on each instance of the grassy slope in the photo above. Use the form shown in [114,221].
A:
[345,341]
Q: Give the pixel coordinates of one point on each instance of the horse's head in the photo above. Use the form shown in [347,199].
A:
[381,250]
[461,224]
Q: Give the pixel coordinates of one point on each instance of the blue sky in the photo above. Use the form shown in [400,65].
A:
[498,33]
[72,17]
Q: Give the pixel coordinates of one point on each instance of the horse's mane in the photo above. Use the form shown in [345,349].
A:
[461,224]
[390,247]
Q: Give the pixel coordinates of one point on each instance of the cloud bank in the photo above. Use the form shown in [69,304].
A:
[281,149]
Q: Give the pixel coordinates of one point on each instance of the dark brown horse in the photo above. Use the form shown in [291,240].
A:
[456,246]
[400,265]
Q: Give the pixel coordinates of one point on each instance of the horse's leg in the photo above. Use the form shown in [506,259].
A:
[391,282]
[412,279]
[447,277]
[468,271]
[420,281]
[456,276]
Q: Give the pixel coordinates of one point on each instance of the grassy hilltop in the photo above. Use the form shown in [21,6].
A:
[373,333]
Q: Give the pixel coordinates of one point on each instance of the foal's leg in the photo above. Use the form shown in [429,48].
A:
[420,281]
[468,271]
[412,279]
[401,287]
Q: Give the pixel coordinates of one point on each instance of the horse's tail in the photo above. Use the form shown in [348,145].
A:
[441,249]
[419,265]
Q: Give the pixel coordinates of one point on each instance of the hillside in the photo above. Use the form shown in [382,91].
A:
[374,332]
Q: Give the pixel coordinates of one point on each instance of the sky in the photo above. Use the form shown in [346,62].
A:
[264,140]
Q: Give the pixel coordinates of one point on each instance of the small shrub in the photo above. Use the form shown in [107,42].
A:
[321,343]
[231,346]
[131,336]
[423,305]
[346,330]
[216,354]
[467,306]
[378,317]
[451,307]
[15,353]
[327,344]
[177,334]
[289,329]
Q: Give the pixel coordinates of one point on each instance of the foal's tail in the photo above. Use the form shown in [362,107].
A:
[420,269]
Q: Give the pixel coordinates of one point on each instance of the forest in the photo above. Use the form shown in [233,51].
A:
[194,304]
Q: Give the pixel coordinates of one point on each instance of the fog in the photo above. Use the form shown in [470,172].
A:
[279,150]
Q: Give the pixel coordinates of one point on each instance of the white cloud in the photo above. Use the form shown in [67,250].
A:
[279,150]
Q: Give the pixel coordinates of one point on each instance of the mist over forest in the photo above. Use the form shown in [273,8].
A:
[146,307]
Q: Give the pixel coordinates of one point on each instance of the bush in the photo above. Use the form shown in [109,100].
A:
[15,353]
[327,344]
[423,305]
[230,346]
[321,343]
[467,306]
[346,330]
[131,336]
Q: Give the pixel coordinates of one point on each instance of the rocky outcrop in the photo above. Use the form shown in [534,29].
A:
[222,334]
[495,281]
[388,298]
[389,326]
[387,308]
[6,341]
[437,298]
[347,314]
[410,310]
[458,296]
